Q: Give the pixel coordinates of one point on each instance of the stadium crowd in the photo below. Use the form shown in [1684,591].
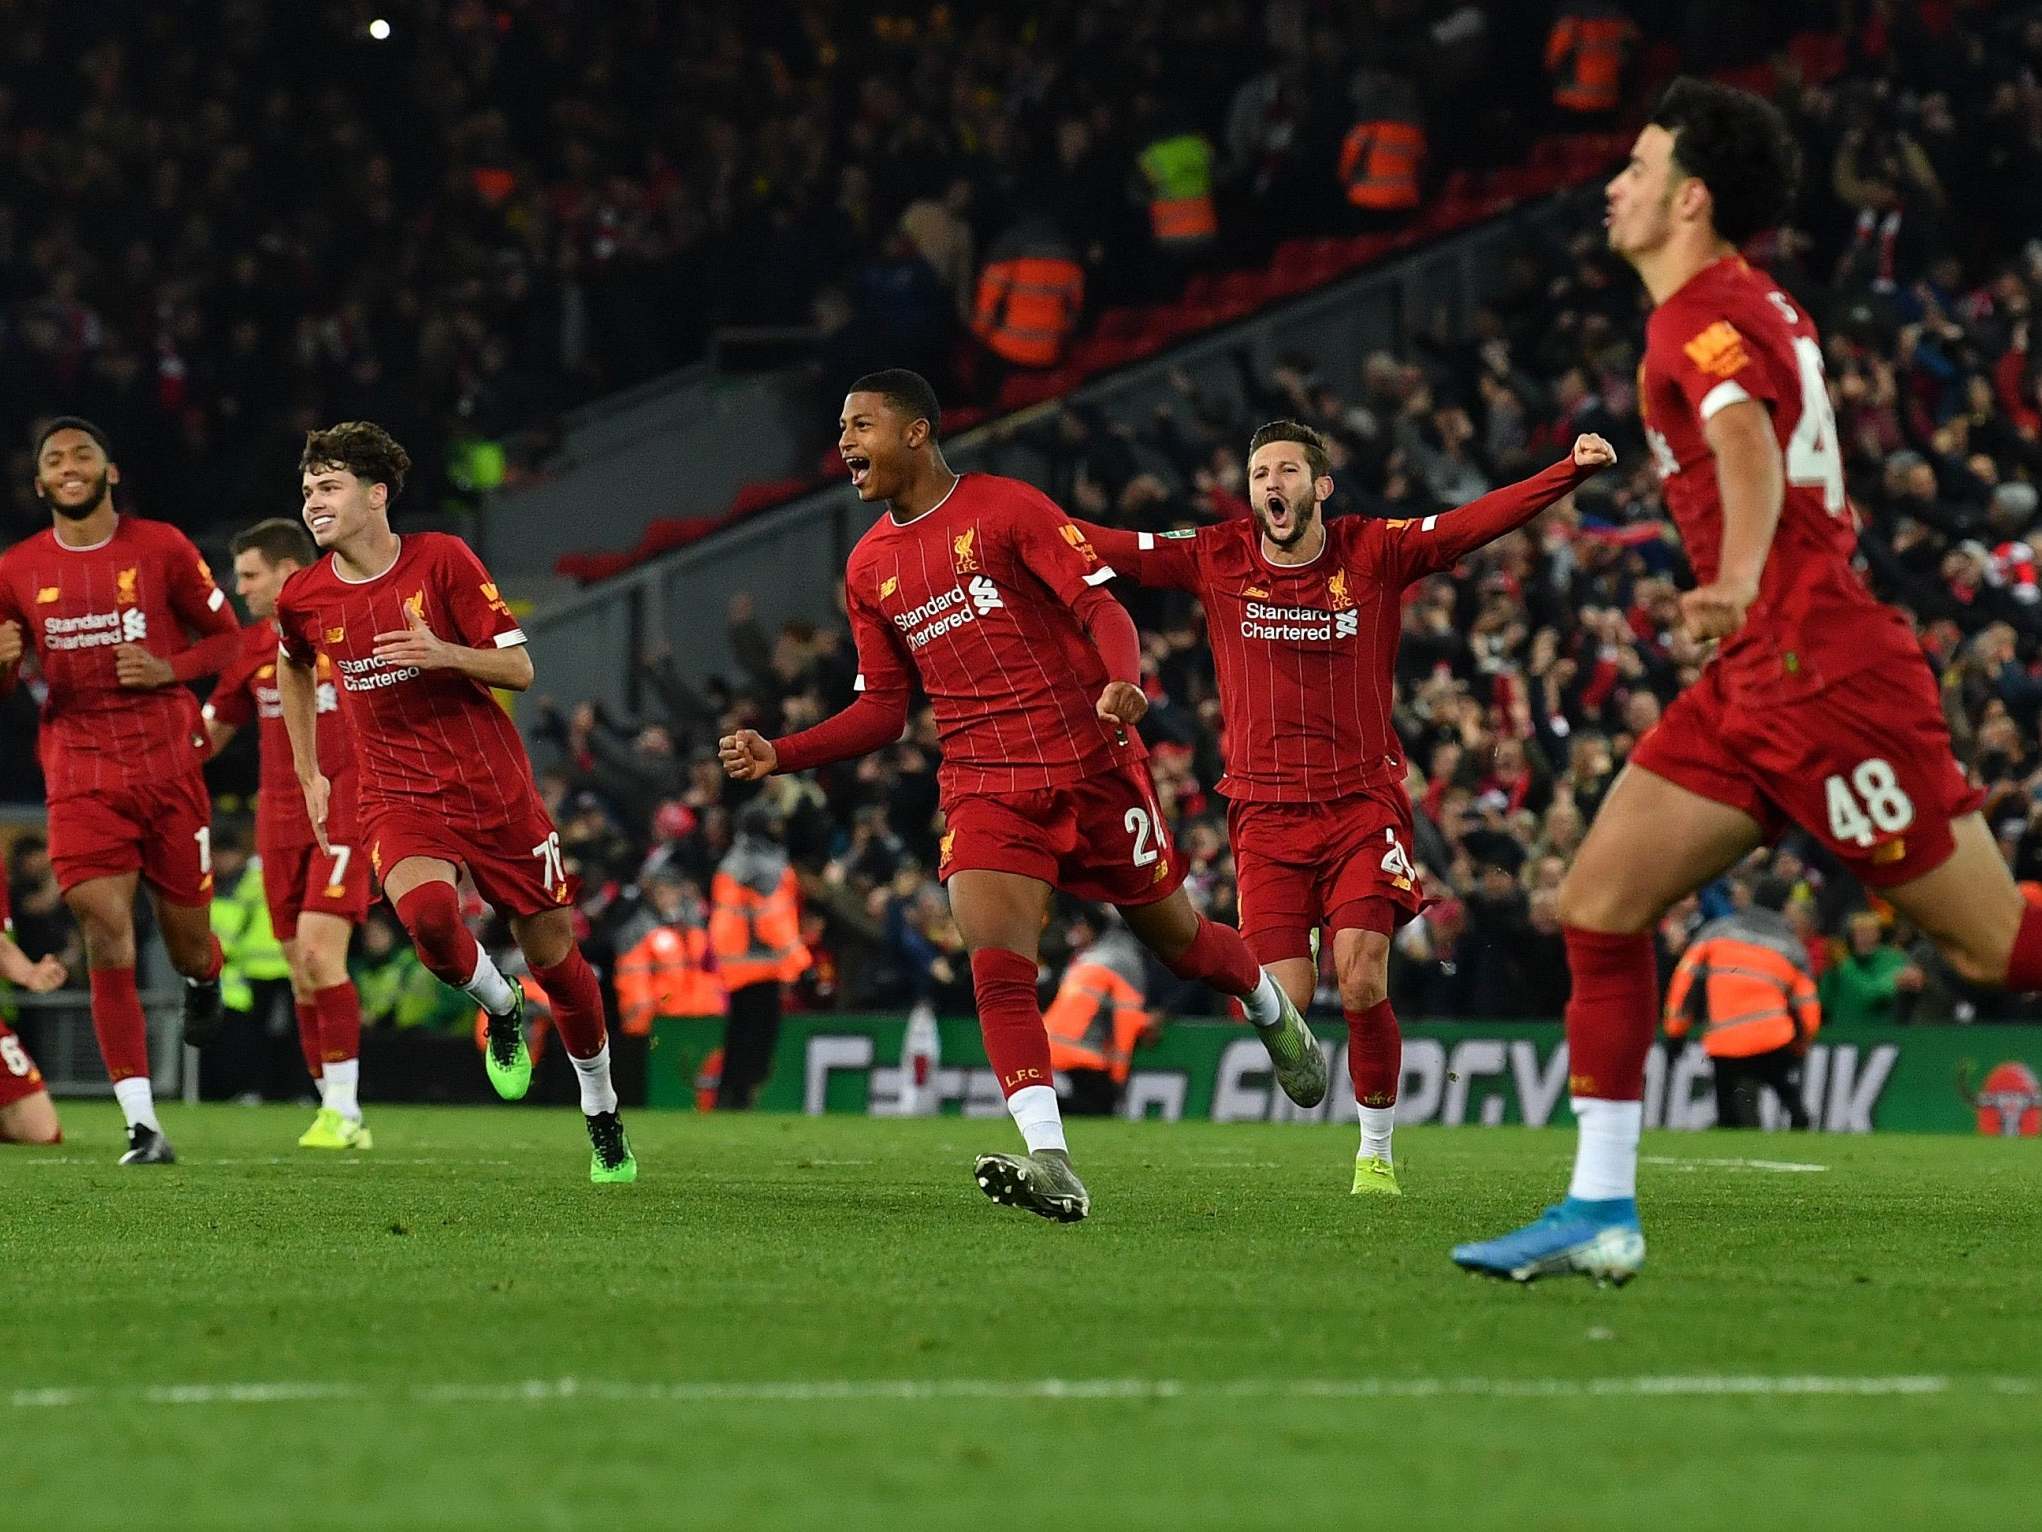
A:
[504,209]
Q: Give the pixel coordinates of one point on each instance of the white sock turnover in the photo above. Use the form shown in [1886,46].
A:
[598,1095]
[1038,1117]
[1606,1153]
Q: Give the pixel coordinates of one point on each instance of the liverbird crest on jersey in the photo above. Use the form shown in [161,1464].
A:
[964,556]
[415,604]
[1336,591]
[124,582]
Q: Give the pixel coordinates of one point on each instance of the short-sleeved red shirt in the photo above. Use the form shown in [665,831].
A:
[435,742]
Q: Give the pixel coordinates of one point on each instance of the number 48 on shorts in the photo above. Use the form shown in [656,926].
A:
[1867,803]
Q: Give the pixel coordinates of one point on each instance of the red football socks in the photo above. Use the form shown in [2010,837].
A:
[577,1000]
[1611,1014]
[308,1037]
[118,1022]
[339,1012]
[1217,956]
[2024,964]
[1375,1054]
[1009,1018]
[431,912]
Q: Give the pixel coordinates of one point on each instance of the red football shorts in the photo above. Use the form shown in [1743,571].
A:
[516,865]
[1100,838]
[162,829]
[1865,766]
[19,1078]
[303,880]
[1344,865]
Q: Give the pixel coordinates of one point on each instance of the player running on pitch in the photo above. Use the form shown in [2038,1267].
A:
[105,602]
[1816,710]
[1303,616]
[316,896]
[441,778]
[980,586]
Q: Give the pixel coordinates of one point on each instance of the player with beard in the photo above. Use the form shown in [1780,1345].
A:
[1303,616]
[986,591]
[105,602]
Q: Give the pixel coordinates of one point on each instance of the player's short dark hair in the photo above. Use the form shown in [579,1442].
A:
[277,539]
[1295,431]
[1736,144]
[363,448]
[58,423]
[908,392]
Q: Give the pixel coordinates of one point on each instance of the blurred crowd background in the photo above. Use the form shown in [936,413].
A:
[540,204]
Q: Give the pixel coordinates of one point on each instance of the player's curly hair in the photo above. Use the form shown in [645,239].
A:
[1739,146]
[363,448]
[1297,431]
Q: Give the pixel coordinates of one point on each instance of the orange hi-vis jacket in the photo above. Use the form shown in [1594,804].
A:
[756,936]
[1028,306]
[1745,981]
[1585,54]
[667,972]
[1098,1014]
[1379,163]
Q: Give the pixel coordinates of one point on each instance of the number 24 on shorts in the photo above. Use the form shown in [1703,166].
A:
[1870,803]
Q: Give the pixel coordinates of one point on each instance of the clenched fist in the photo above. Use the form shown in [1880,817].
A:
[747,755]
[1591,451]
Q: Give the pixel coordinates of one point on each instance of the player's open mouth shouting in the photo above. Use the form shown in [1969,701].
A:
[860,467]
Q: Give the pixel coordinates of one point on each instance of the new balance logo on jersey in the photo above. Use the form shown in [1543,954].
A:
[985,595]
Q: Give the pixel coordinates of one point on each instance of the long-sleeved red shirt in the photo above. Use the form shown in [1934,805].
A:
[1305,653]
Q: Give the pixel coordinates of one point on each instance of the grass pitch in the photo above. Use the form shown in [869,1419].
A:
[820,1323]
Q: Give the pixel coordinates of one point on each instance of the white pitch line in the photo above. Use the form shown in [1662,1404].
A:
[534,1391]
[1780,1167]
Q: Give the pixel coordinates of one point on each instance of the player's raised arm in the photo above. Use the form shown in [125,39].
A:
[1164,560]
[1430,544]
[875,717]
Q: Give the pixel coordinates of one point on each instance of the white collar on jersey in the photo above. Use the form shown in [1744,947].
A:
[88,547]
[932,510]
[370,579]
[1273,567]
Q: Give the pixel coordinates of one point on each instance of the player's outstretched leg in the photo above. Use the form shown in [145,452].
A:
[570,984]
[430,909]
[1199,950]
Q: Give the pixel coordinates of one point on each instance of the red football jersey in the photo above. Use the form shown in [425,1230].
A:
[1305,653]
[146,584]
[975,597]
[1730,335]
[247,690]
[433,742]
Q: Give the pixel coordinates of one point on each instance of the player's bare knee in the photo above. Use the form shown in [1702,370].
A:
[1596,905]
[1973,963]
[545,939]
[1363,987]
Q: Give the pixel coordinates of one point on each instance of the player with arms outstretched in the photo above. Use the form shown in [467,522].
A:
[980,586]
[316,895]
[27,1115]
[1303,616]
[417,635]
[107,603]
[1817,708]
